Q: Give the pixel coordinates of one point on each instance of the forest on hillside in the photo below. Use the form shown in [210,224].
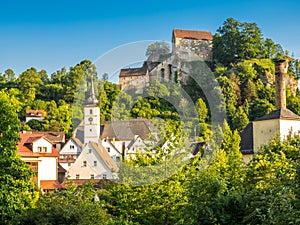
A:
[221,191]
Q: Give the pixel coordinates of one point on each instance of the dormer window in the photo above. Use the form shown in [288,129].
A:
[72,146]
[40,149]
[44,149]
[84,164]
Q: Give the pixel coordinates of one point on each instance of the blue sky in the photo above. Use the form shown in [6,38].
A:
[54,34]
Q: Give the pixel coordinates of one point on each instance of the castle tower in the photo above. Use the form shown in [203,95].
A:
[281,67]
[91,117]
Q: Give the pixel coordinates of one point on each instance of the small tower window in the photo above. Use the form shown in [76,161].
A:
[91,111]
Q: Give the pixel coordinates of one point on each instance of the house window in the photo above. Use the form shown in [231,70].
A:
[108,149]
[92,176]
[44,149]
[77,176]
[95,163]
[72,146]
[91,111]
[90,130]
[40,149]
[104,176]
[84,163]
[90,150]
[69,164]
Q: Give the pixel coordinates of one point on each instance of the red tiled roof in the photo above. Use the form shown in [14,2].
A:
[50,184]
[192,34]
[25,151]
[35,113]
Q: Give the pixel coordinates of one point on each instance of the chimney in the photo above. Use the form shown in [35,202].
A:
[281,67]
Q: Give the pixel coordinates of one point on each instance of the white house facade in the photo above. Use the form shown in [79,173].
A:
[94,162]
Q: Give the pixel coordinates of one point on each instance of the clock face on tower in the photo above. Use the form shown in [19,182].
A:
[90,119]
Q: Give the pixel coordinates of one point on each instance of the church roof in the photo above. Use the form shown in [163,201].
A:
[126,130]
[91,99]
[280,114]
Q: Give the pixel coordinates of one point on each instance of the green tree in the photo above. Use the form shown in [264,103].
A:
[29,83]
[35,125]
[73,206]
[157,50]
[240,120]
[202,110]
[18,193]
[235,41]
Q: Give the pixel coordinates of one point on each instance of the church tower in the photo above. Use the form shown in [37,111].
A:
[91,117]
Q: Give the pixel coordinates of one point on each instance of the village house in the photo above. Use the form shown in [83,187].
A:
[35,114]
[124,134]
[94,162]
[69,153]
[38,151]
[281,121]
[196,41]
[134,78]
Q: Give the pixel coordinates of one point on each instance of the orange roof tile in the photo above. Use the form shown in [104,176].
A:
[50,184]
[25,151]
[192,34]
[35,113]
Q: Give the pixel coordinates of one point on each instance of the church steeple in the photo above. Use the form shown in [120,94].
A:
[91,99]
[91,116]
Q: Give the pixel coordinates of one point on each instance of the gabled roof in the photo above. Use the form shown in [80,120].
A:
[133,141]
[110,163]
[35,113]
[29,138]
[54,137]
[246,143]
[280,114]
[140,71]
[77,142]
[192,34]
[113,146]
[126,130]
